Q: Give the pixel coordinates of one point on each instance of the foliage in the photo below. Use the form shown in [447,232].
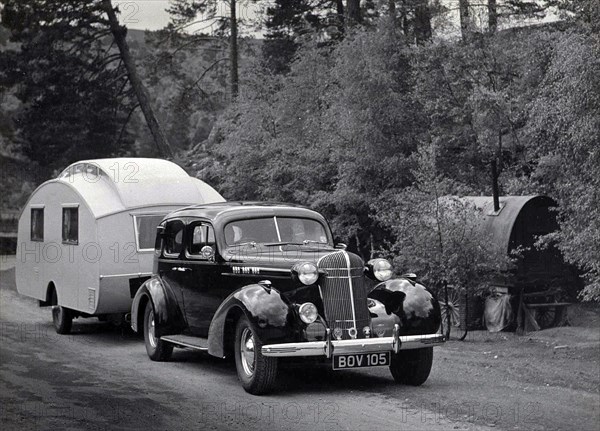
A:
[564,131]
[296,138]
[369,122]
[76,99]
[439,235]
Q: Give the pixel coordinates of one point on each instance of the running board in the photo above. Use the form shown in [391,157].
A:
[197,343]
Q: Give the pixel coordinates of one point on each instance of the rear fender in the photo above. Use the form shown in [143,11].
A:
[168,318]
[270,315]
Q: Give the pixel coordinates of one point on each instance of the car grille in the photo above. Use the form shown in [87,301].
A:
[344,293]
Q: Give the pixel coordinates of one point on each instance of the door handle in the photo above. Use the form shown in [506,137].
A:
[181,269]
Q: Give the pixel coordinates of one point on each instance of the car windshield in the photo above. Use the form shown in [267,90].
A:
[275,231]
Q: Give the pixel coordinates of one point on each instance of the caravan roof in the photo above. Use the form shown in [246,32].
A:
[110,186]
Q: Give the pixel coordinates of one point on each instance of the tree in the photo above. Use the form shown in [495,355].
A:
[76,97]
[286,21]
[438,235]
[296,138]
[139,88]
[465,19]
[186,13]
[492,16]
[353,13]
[564,129]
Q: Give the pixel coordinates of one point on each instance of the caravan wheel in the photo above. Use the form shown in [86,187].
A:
[62,318]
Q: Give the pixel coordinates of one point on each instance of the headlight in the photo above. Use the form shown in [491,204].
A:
[308,312]
[307,272]
[381,269]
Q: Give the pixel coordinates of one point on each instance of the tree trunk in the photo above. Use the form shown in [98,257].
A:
[422,22]
[339,6]
[353,15]
[465,21]
[233,50]
[160,139]
[492,16]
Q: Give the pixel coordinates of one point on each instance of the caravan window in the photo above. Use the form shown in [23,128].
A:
[70,225]
[37,224]
[174,238]
[145,230]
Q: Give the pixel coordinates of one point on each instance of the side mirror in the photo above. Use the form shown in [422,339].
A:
[207,252]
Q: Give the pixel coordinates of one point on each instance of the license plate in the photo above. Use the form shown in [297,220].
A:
[361,360]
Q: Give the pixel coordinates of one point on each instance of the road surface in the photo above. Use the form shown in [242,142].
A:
[101,378]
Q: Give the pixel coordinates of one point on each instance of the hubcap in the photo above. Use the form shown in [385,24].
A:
[151,336]
[247,351]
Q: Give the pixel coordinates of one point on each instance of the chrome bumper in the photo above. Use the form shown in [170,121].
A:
[341,347]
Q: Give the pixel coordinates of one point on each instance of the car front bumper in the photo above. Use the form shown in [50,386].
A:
[329,347]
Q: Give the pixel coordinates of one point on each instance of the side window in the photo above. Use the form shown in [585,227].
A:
[173,239]
[145,229]
[70,225]
[202,235]
[37,224]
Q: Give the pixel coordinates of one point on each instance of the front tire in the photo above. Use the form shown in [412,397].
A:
[62,318]
[256,372]
[412,367]
[157,349]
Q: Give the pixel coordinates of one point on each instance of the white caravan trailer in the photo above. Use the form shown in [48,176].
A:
[86,238]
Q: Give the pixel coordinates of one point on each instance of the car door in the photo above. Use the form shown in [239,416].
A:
[172,268]
[200,283]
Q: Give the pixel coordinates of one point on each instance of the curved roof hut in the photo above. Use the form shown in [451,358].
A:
[517,224]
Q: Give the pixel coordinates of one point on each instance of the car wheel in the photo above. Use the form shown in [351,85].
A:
[412,367]
[157,349]
[256,372]
[62,318]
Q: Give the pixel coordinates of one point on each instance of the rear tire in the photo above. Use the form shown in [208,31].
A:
[62,318]
[157,349]
[412,367]
[256,372]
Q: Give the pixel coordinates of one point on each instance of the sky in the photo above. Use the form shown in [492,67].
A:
[143,14]
[151,15]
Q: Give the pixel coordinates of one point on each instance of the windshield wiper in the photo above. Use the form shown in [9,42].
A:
[305,242]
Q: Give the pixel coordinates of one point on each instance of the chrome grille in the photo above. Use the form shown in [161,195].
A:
[344,293]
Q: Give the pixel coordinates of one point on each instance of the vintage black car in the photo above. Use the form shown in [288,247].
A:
[265,281]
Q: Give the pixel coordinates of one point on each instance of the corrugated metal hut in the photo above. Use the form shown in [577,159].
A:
[518,223]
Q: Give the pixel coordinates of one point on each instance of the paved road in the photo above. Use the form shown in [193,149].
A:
[101,378]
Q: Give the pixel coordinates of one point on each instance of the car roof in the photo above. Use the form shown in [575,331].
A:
[222,212]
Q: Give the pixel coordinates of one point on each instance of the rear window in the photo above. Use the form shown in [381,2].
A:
[145,228]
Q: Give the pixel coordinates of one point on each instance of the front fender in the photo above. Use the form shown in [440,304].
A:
[168,318]
[268,312]
[407,303]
